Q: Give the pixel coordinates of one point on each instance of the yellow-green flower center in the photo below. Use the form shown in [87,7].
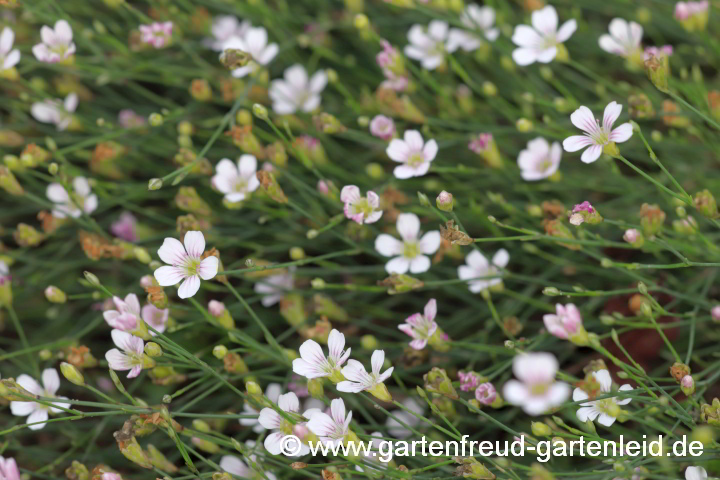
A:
[416,159]
[411,250]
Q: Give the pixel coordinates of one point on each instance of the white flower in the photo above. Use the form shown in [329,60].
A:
[537,391]
[55,112]
[186,264]
[397,428]
[313,363]
[296,92]
[539,160]
[9,469]
[695,473]
[596,136]
[477,267]
[37,412]
[358,208]
[358,380]
[236,181]
[429,45]
[272,420]
[274,287]
[413,153]
[255,42]
[421,326]
[126,316]
[410,253]
[81,200]
[624,38]
[605,409]
[332,429]
[539,43]
[56,43]
[480,21]
[223,28]
[234,466]
[272,392]
[8,57]
[131,356]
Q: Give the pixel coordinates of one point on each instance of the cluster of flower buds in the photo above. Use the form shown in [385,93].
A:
[682,374]
[693,16]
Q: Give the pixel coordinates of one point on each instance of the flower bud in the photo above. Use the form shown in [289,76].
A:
[219,351]
[260,111]
[437,381]
[679,371]
[9,183]
[687,385]
[270,185]
[200,90]
[92,279]
[72,374]
[234,363]
[444,201]
[155,184]
[77,471]
[152,349]
[315,388]
[705,203]
[715,313]
[221,314]
[651,219]
[55,295]
[142,255]
[155,120]
[253,389]
[361,21]
[524,125]
[369,342]
[540,429]
[657,68]
[634,237]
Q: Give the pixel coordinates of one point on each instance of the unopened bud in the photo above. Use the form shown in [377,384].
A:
[219,351]
[524,125]
[155,119]
[540,429]
[361,21]
[445,201]
[253,389]
[369,342]
[687,385]
[92,279]
[72,374]
[155,184]
[260,111]
[316,388]
[55,295]
[152,349]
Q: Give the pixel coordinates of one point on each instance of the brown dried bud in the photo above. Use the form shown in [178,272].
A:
[271,186]
[452,233]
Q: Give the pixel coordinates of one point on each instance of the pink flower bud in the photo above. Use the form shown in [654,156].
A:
[146,281]
[300,431]
[631,235]
[687,381]
[322,187]
[468,381]
[382,127]
[715,312]
[485,393]
[216,308]
[682,11]
[480,143]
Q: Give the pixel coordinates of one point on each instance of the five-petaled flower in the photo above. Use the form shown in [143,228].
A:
[185,264]
[236,181]
[537,391]
[37,413]
[72,204]
[413,152]
[295,92]
[542,41]
[56,112]
[476,19]
[480,273]
[360,209]
[540,160]
[332,429]
[624,38]
[382,127]
[410,253]
[358,380]
[272,420]
[597,137]
[157,34]
[57,44]
[430,45]
[605,410]
[9,57]
[129,355]
[313,363]
[421,326]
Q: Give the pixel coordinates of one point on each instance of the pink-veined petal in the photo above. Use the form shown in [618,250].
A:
[189,287]
[591,154]
[172,251]
[167,275]
[194,243]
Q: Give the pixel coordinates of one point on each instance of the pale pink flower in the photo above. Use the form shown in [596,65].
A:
[468,381]
[631,235]
[358,380]
[9,469]
[185,264]
[236,182]
[223,28]
[322,187]
[540,160]
[605,409]
[665,50]
[255,42]
[413,153]
[314,364]
[576,217]
[421,326]
[216,308]
[9,57]
[36,413]
[695,473]
[539,42]
[55,112]
[596,136]
[155,317]
[360,209]
[157,34]
[272,420]
[687,381]
[485,393]
[410,253]
[429,45]
[334,428]
[82,199]
[566,321]
[536,391]
[56,43]
[478,270]
[127,118]
[476,19]
[296,92]
[480,143]
[382,127]
[392,66]
[128,355]
[126,316]
[685,10]
[624,38]
[124,227]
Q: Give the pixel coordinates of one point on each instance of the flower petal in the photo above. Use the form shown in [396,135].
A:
[576,142]
[583,119]
[172,252]
[51,380]
[388,246]
[208,268]
[167,276]
[430,242]
[189,287]
[194,243]
[622,133]
[408,226]
[591,154]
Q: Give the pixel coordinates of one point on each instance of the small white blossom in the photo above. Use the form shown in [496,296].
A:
[236,181]
[539,160]
[596,136]
[476,267]
[57,44]
[72,204]
[539,43]
[605,409]
[225,27]
[275,287]
[128,355]
[185,264]
[235,466]
[56,112]
[480,23]
[358,380]
[313,363]
[410,253]
[537,391]
[695,473]
[430,45]
[397,428]
[272,392]
[413,152]
[37,413]
[334,428]
[9,57]
[296,92]
[255,42]
[272,420]
[360,209]
[624,38]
